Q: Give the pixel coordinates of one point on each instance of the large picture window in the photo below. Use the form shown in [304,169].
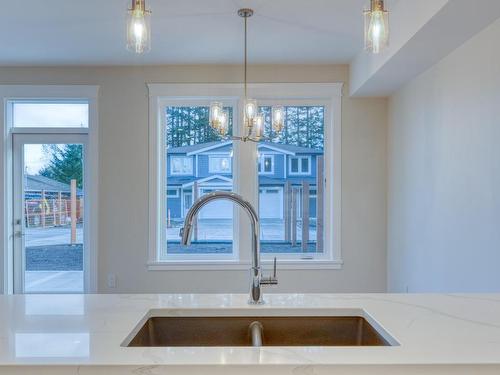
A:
[286,172]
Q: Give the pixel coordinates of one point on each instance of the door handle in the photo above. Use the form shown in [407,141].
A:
[19,234]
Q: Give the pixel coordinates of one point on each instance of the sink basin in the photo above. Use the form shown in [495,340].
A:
[276,331]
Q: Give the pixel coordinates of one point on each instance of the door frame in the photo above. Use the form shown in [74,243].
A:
[19,258]
[10,93]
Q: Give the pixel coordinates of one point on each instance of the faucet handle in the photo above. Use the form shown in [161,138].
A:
[270,280]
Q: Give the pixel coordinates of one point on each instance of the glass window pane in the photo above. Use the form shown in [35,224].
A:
[289,196]
[50,114]
[198,162]
[305,165]
[53,205]
[268,164]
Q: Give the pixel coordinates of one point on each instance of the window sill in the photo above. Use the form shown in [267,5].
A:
[221,265]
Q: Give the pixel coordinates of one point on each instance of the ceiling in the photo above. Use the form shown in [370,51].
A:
[92,32]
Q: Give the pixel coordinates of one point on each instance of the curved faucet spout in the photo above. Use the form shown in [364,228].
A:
[256,274]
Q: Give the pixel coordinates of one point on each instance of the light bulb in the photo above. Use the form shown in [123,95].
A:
[138,28]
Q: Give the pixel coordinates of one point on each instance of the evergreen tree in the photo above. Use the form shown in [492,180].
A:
[66,163]
[188,126]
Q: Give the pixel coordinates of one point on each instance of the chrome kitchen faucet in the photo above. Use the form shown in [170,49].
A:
[257,280]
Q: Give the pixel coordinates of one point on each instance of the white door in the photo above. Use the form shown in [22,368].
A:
[49,176]
[271,203]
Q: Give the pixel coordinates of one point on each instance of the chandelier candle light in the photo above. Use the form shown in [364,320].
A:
[376,27]
[253,119]
[139,28]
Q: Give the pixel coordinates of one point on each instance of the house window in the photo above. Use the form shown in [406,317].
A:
[172,193]
[300,165]
[219,164]
[266,164]
[181,165]
[293,201]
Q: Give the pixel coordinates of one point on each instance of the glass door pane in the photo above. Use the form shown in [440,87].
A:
[50,223]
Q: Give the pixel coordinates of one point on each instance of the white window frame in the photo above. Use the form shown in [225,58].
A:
[172,157]
[221,155]
[328,95]
[300,172]
[10,93]
[261,163]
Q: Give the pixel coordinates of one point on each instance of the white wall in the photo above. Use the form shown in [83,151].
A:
[444,174]
[123,189]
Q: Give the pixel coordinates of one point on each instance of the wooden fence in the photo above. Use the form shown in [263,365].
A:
[54,210]
[299,196]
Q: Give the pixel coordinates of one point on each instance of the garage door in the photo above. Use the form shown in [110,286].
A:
[219,209]
[271,203]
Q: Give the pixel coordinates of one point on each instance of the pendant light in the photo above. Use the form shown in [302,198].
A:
[139,28]
[376,27]
[253,119]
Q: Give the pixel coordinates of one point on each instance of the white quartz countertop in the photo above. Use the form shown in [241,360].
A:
[81,330]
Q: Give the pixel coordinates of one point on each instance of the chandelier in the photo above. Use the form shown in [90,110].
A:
[376,26]
[253,119]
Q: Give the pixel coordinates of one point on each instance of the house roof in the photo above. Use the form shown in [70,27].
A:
[194,149]
[199,148]
[39,183]
[263,180]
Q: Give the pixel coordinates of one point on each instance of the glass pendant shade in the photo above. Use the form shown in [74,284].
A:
[139,28]
[259,126]
[278,119]
[216,110]
[376,27]
[223,123]
[250,109]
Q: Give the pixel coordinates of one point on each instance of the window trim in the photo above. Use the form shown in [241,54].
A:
[181,173]
[301,172]
[220,155]
[327,94]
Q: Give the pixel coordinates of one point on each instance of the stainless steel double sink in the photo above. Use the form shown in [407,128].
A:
[210,331]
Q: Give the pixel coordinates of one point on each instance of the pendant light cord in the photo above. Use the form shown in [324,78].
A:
[245,58]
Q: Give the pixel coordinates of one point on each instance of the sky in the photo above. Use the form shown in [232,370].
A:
[46,114]
[35,158]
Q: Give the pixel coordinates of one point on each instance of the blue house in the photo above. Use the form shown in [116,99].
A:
[207,167]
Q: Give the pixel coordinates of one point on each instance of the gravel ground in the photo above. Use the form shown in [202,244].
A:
[54,258]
